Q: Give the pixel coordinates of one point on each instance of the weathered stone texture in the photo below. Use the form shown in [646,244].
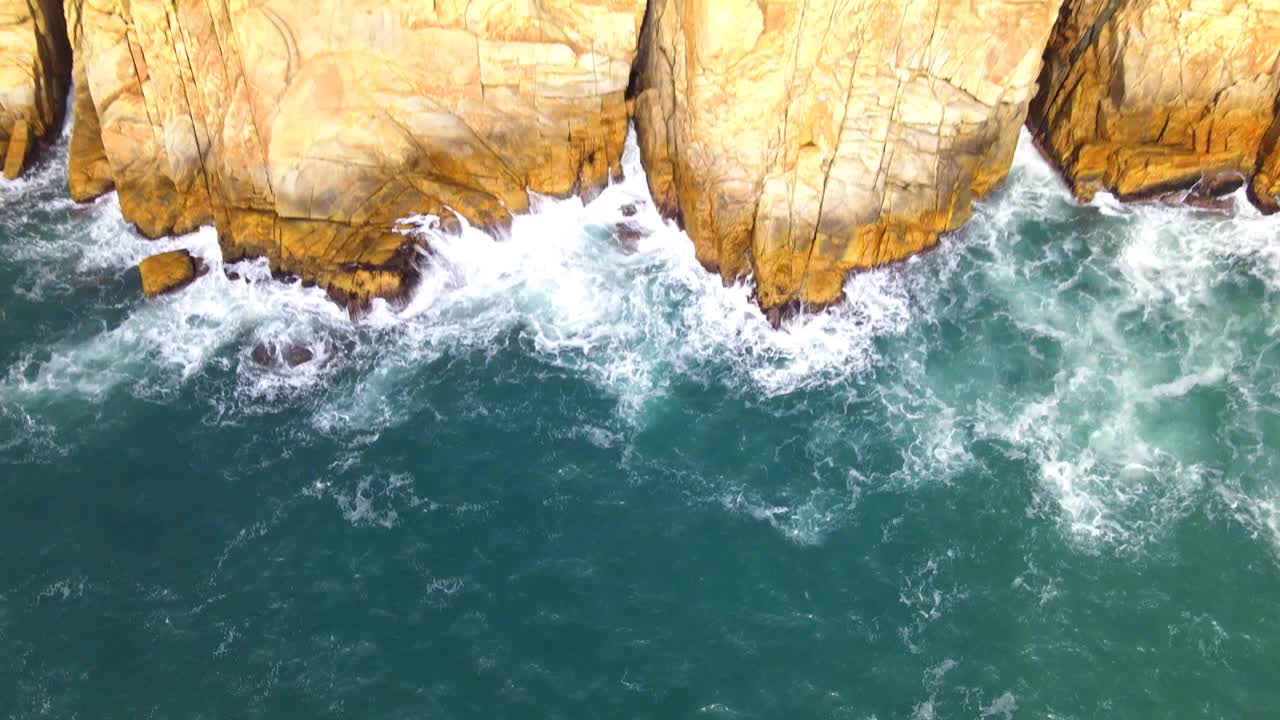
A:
[34,71]
[1142,97]
[799,141]
[169,272]
[305,130]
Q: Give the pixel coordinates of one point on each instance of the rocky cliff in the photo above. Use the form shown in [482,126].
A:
[1144,97]
[799,141]
[303,131]
[795,142]
[35,66]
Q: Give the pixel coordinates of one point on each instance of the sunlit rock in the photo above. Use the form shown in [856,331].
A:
[303,131]
[800,141]
[1141,98]
[35,66]
[169,272]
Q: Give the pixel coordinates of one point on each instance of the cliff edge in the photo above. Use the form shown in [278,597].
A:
[1141,98]
[795,142]
[35,67]
[800,141]
[303,131]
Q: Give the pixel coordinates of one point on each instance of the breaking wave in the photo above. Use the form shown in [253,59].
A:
[1130,353]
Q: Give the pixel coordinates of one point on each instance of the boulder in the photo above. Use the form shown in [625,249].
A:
[273,354]
[168,272]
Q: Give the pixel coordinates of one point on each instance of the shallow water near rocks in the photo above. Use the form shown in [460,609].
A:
[1031,474]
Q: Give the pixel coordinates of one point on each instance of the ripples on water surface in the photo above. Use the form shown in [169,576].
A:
[1031,474]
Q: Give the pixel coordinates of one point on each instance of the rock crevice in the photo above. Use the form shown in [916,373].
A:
[794,141]
[800,141]
[35,69]
[1141,98]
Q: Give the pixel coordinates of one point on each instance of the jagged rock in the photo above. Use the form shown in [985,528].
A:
[303,131]
[272,354]
[1141,98]
[168,272]
[800,141]
[35,67]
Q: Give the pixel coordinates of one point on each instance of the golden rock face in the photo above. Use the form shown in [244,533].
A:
[796,142]
[1140,97]
[303,131]
[34,70]
[167,272]
[800,141]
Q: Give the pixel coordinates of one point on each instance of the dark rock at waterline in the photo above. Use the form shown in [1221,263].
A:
[1212,193]
[629,210]
[271,354]
[232,275]
[627,236]
[777,316]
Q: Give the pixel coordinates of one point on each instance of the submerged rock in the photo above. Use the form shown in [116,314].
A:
[273,354]
[168,272]
[627,236]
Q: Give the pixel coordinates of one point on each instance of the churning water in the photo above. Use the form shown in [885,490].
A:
[1034,473]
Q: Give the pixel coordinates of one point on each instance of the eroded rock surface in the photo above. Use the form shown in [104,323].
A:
[34,71]
[168,272]
[305,130]
[799,141]
[1141,97]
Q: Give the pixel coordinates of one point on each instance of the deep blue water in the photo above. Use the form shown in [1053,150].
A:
[1030,474]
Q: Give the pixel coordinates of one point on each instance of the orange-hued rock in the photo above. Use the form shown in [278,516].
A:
[35,66]
[167,272]
[1265,188]
[15,157]
[800,141]
[303,131]
[1140,97]
[88,169]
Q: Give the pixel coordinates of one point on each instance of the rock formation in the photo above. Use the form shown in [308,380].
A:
[34,71]
[795,142]
[303,131]
[1140,97]
[168,272]
[799,141]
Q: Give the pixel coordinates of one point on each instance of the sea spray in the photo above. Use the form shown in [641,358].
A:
[575,474]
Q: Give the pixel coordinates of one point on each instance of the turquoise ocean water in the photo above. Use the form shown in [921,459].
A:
[1034,473]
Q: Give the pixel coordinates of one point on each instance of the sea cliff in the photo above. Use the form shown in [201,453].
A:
[795,142]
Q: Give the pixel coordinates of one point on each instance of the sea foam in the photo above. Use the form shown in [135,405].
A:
[1119,317]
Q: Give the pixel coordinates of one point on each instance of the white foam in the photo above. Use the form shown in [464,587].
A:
[1004,706]
[1119,472]
[635,322]
[165,342]
[628,320]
